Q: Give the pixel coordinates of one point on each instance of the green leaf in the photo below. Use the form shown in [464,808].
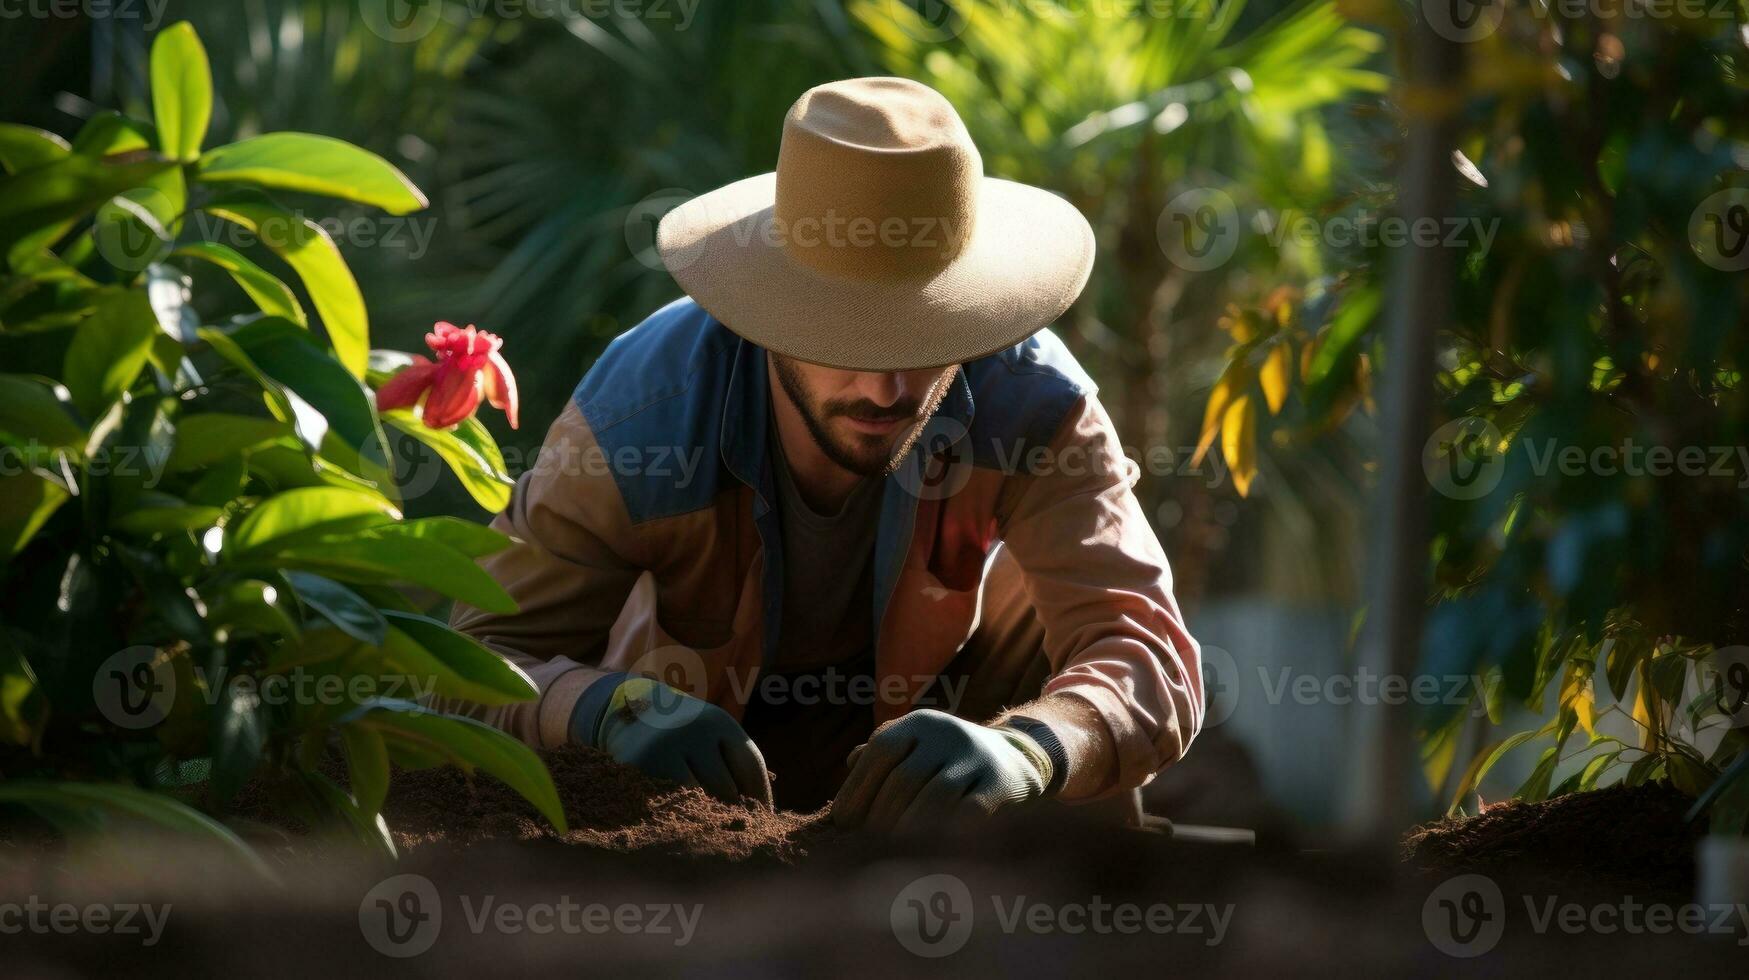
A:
[239,735]
[340,606]
[470,744]
[23,708]
[290,356]
[152,518]
[27,501]
[1486,759]
[109,349]
[108,133]
[182,92]
[295,512]
[24,147]
[42,204]
[314,164]
[317,260]
[209,437]
[367,764]
[455,663]
[251,605]
[480,470]
[63,802]
[36,410]
[473,540]
[367,558]
[272,296]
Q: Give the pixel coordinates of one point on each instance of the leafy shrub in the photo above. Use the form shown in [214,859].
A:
[201,543]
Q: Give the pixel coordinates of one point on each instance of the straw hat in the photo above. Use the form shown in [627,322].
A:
[878,244]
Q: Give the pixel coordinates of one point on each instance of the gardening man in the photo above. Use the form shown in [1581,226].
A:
[848,523]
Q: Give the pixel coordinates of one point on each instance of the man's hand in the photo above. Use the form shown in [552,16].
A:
[930,767]
[665,733]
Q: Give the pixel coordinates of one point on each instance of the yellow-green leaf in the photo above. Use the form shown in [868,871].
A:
[1232,381]
[182,92]
[308,249]
[1239,443]
[315,164]
[1277,366]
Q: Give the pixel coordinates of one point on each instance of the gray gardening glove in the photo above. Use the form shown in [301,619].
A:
[664,733]
[930,767]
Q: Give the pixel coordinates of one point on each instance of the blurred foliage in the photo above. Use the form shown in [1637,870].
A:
[196,508]
[1597,310]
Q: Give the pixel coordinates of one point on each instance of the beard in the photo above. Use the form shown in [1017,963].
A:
[862,454]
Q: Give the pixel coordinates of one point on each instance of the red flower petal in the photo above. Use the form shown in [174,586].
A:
[454,396]
[403,390]
[501,385]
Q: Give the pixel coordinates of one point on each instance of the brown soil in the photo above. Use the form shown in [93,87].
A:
[608,806]
[1636,836]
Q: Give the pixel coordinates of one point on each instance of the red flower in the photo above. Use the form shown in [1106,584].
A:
[468,366]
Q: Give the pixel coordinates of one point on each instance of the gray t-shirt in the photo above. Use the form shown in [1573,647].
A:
[828,572]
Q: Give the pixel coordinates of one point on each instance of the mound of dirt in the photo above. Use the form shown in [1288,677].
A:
[1633,836]
[609,807]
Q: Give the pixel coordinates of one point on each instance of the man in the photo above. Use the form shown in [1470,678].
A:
[849,518]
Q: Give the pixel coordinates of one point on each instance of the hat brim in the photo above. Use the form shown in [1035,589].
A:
[1028,257]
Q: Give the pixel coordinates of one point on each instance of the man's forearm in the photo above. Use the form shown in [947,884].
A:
[1091,750]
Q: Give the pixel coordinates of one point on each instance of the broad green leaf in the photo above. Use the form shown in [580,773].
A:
[470,744]
[1486,759]
[296,360]
[108,133]
[109,349]
[308,250]
[27,501]
[251,605]
[473,540]
[59,801]
[209,437]
[272,296]
[369,559]
[458,665]
[152,519]
[367,764]
[339,605]
[295,512]
[182,92]
[24,147]
[368,829]
[314,164]
[36,410]
[483,476]
[40,205]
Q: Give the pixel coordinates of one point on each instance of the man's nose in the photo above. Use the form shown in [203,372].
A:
[884,388]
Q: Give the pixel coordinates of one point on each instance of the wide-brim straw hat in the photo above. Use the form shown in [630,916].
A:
[878,244]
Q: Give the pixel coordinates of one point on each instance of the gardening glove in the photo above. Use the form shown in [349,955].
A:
[665,733]
[930,767]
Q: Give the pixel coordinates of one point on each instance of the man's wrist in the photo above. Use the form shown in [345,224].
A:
[1040,743]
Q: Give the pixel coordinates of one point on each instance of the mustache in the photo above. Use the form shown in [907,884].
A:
[870,412]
